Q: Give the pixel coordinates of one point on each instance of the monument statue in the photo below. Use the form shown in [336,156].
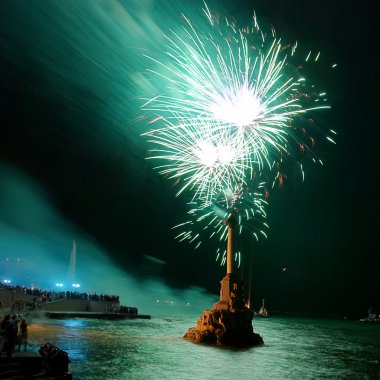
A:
[229,323]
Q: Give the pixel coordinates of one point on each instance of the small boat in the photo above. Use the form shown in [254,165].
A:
[372,317]
[263,311]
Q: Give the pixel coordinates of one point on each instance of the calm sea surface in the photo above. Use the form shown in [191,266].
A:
[294,348]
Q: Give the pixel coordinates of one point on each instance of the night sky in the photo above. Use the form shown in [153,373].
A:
[71,77]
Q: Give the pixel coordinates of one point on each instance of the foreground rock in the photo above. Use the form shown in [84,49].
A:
[49,363]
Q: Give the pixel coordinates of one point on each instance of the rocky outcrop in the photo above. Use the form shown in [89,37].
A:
[225,328]
[229,323]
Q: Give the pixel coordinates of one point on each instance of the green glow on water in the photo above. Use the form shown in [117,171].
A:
[296,348]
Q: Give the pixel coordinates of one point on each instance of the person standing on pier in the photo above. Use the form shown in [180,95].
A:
[23,335]
[9,337]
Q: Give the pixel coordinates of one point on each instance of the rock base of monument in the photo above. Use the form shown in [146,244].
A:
[232,328]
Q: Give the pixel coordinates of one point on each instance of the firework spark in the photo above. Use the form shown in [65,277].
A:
[207,159]
[248,204]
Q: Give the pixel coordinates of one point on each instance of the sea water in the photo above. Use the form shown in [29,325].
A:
[294,348]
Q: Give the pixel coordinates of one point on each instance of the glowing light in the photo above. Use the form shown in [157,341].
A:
[240,109]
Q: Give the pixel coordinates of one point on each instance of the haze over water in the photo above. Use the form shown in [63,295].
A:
[295,348]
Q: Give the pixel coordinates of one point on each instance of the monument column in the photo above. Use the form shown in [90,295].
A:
[231,223]
[229,283]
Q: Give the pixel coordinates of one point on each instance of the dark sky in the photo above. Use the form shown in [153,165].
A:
[70,79]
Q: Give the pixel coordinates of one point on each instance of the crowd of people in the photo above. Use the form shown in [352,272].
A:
[121,309]
[14,329]
[42,296]
[13,333]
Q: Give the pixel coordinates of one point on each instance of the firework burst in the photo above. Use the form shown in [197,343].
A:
[233,108]
[230,85]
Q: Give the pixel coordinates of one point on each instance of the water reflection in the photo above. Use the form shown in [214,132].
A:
[296,348]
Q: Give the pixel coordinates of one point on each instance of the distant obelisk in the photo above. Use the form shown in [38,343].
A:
[73,263]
